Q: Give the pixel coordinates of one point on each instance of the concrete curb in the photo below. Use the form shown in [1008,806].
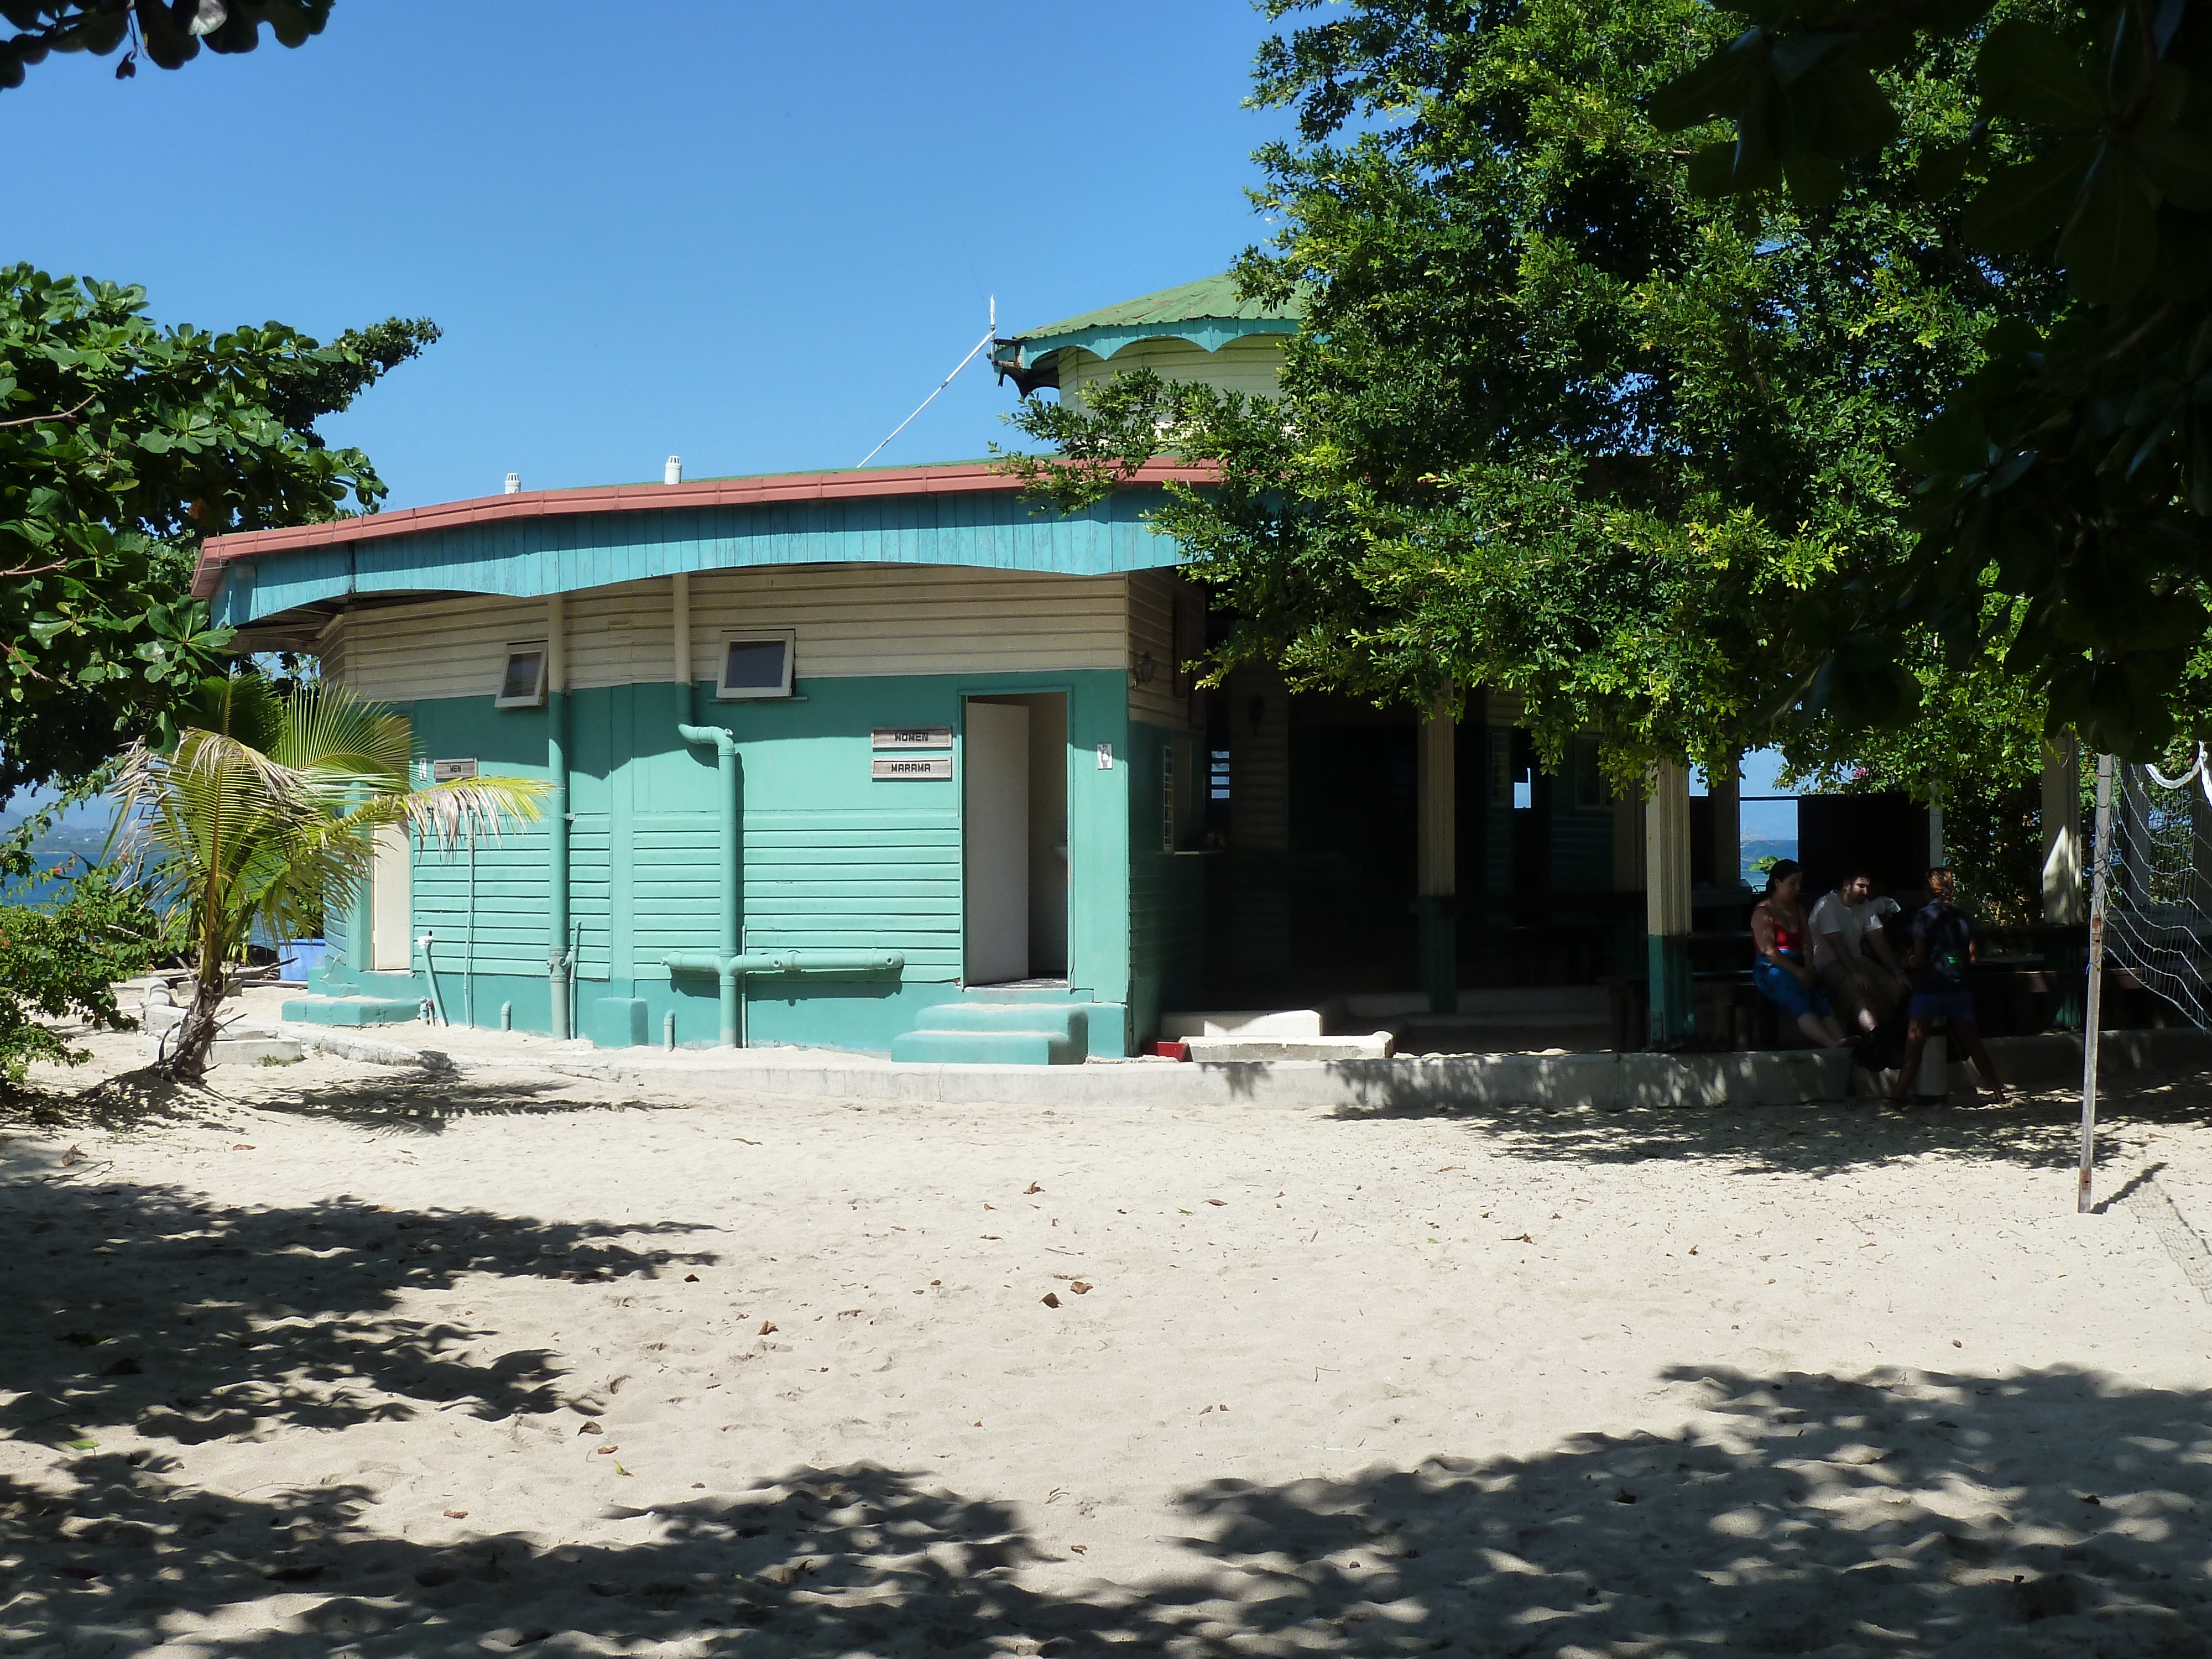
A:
[1412,1084]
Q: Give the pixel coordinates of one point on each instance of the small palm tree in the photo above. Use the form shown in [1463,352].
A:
[266,810]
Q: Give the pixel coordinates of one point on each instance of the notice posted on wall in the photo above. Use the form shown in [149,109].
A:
[911,766]
[910,737]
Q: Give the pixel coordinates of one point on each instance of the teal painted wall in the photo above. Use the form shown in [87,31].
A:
[832,857]
[1167,889]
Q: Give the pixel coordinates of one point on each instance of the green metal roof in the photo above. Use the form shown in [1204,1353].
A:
[1207,314]
[1211,299]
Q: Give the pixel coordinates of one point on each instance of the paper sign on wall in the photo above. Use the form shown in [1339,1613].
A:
[911,766]
[452,771]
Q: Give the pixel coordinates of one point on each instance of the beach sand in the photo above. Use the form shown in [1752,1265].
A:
[340,1359]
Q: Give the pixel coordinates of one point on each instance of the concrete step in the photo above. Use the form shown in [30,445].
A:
[1379,1045]
[1033,991]
[1065,1018]
[1243,1022]
[1055,1033]
[339,980]
[989,1047]
[243,1048]
[351,1010]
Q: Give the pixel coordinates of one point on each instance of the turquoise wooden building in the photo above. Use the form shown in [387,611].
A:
[890,760]
[886,760]
[881,738]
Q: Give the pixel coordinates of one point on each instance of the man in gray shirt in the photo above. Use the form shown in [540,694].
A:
[1856,968]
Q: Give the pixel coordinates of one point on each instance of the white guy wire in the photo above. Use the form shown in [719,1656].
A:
[989,335]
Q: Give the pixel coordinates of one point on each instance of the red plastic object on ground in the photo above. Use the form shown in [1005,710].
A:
[1172,1050]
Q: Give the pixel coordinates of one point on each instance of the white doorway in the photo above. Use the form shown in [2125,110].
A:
[1014,838]
[392,949]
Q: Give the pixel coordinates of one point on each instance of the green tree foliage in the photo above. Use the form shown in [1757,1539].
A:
[168,34]
[1556,422]
[122,445]
[267,811]
[2072,472]
[61,958]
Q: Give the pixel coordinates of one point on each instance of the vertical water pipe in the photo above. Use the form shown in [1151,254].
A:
[556,768]
[725,761]
[679,642]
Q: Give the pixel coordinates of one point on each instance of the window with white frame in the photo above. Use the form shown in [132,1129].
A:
[522,681]
[756,664]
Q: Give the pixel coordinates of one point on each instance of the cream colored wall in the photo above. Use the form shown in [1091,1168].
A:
[852,620]
[858,620]
[1252,365]
[443,648]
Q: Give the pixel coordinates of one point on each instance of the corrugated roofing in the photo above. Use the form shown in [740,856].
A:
[1211,299]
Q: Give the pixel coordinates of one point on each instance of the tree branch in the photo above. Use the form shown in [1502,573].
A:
[66,415]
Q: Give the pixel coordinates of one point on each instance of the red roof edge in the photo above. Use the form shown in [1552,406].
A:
[965,479]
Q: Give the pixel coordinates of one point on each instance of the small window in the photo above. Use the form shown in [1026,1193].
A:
[756,666]
[523,684]
[1592,794]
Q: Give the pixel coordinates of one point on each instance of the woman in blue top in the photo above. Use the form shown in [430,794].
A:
[1942,950]
[1780,973]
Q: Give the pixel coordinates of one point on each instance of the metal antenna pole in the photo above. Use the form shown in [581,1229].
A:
[2099,868]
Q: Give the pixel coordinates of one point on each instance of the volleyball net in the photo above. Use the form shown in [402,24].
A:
[2158,895]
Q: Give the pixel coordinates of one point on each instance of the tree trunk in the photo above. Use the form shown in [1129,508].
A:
[186,1059]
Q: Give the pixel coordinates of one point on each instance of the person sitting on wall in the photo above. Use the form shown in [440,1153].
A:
[1852,960]
[1781,974]
[1943,950]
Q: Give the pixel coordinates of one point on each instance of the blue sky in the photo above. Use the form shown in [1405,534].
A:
[752,236]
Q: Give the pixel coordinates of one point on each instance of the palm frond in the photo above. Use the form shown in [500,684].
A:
[467,810]
[332,730]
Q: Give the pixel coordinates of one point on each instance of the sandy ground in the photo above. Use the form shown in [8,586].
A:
[344,1360]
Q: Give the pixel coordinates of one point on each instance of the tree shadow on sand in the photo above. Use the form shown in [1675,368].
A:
[2044,1514]
[2037,1131]
[191,1322]
[415,1100]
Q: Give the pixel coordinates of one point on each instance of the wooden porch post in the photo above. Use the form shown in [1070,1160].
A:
[1437,857]
[1666,903]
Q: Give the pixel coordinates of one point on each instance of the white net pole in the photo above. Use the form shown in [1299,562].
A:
[2081,1194]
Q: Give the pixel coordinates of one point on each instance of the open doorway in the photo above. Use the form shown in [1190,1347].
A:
[1014,838]
[392,949]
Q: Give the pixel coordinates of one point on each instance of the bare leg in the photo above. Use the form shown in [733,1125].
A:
[1847,997]
[1908,1070]
[1969,1034]
[1822,1029]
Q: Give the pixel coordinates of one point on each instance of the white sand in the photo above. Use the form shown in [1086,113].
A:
[1808,1381]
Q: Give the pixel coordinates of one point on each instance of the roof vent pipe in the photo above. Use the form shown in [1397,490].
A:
[674,471]
[514,483]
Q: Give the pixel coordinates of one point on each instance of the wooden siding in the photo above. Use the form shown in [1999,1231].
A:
[527,557]
[1259,760]
[506,933]
[1253,364]
[444,648]
[859,621]
[1155,598]
[859,880]
[852,621]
